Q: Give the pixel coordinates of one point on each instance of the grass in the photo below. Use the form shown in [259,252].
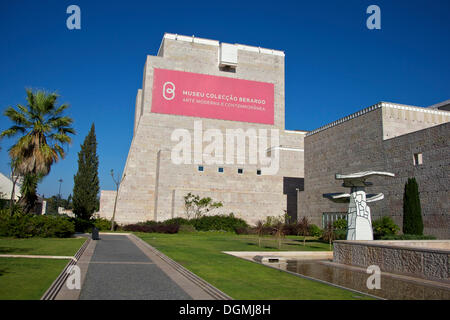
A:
[201,253]
[41,246]
[28,278]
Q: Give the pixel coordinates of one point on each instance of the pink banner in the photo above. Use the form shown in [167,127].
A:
[205,96]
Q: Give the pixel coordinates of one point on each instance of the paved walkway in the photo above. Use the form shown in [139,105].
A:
[119,269]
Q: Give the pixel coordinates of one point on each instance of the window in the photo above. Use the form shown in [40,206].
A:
[240,171]
[258,172]
[200,168]
[220,170]
[417,159]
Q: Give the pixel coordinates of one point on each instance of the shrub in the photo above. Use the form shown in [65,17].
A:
[245,230]
[315,231]
[219,222]
[412,212]
[179,221]
[157,227]
[408,237]
[29,225]
[340,224]
[102,224]
[340,229]
[82,225]
[384,226]
[290,229]
[186,228]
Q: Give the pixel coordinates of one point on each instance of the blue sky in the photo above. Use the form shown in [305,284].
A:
[334,64]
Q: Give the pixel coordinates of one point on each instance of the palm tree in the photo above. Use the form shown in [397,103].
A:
[44,131]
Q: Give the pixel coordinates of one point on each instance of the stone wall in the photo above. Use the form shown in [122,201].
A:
[396,257]
[376,139]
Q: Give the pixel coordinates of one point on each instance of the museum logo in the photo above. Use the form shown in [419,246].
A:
[168,90]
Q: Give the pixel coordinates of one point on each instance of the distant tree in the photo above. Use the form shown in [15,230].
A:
[14,179]
[329,234]
[260,231]
[278,230]
[86,182]
[28,190]
[412,212]
[303,229]
[117,182]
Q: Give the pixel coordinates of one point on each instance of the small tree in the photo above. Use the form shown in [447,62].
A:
[412,212]
[193,204]
[117,183]
[303,229]
[278,229]
[329,234]
[260,231]
[14,178]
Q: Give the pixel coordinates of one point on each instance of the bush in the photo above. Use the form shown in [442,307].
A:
[82,225]
[384,226]
[219,222]
[102,224]
[186,228]
[408,237]
[315,231]
[29,225]
[290,229]
[340,224]
[179,221]
[340,229]
[244,230]
[157,227]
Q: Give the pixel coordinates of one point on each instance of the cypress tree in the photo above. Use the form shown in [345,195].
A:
[412,212]
[86,182]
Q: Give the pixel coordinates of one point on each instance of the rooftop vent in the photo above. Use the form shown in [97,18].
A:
[228,55]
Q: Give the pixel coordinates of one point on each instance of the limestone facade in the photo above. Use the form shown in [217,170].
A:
[154,187]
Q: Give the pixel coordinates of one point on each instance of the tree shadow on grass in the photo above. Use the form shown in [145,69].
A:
[9,250]
[3,271]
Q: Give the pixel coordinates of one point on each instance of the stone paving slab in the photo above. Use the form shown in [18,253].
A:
[120,270]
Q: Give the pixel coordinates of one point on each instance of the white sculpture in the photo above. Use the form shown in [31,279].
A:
[359,222]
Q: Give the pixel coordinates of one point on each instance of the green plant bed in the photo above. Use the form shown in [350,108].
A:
[41,246]
[408,237]
[201,253]
[27,279]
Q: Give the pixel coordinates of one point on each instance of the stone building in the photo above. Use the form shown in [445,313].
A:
[405,140]
[203,75]
[185,91]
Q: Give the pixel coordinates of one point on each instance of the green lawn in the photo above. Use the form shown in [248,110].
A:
[29,278]
[240,279]
[41,246]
